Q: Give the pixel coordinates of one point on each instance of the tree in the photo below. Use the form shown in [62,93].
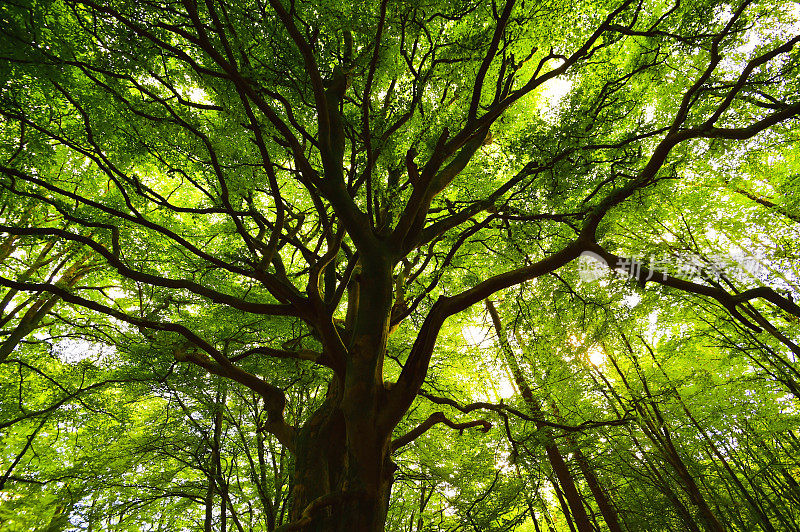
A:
[329,184]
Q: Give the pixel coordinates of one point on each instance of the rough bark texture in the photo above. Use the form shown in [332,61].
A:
[343,468]
[343,474]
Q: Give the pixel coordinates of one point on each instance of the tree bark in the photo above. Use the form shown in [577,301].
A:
[343,471]
[607,509]
[343,476]
[554,455]
[656,428]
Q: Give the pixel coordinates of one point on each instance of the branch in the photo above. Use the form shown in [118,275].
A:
[677,135]
[272,283]
[466,142]
[302,354]
[503,409]
[274,398]
[155,280]
[744,133]
[434,419]
[443,225]
[730,301]
[411,378]
[466,299]
[21,454]
[75,394]
[477,90]
[311,69]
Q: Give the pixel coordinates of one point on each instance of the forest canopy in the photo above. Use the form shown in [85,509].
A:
[408,265]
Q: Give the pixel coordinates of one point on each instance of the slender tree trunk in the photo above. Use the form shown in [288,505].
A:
[656,428]
[555,457]
[774,505]
[661,483]
[607,509]
[208,522]
[564,506]
[528,499]
[763,520]
[213,468]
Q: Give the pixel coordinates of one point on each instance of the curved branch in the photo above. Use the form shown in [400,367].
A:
[503,409]
[643,275]
[413,374]
[155,280]
[434,419]
[273,396]
[272,283]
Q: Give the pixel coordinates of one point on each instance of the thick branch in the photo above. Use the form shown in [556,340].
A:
[155,280]
[434,419]
[416,367]
[273,396]
[730,301]
[505,409]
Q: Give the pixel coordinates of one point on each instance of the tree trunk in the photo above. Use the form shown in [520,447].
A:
[598,491]
[343,472]
[564,506]
[658,431]
[562,472]
[762,518]
[661,483]
[343,469]
[340,484]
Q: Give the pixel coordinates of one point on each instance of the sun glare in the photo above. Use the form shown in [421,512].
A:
[596,355]
[477,336]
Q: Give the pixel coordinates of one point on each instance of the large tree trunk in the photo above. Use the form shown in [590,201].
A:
[343,473]
[342,467]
